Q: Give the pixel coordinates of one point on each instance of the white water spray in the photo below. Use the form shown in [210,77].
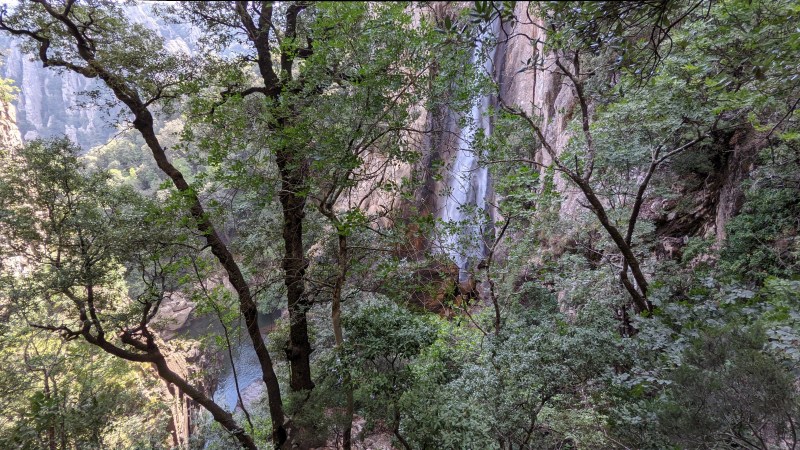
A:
[465,206]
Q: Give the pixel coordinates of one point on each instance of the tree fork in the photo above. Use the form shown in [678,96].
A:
[298,349]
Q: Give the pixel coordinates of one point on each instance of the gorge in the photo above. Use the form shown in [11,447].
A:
[508,225]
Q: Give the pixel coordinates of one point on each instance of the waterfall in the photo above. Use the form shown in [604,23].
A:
[468,184]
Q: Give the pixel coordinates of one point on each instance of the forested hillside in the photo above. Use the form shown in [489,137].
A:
[400,225]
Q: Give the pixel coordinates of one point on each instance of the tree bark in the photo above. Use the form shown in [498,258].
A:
[336,319]
[298,349]
[51,428]
[639,295]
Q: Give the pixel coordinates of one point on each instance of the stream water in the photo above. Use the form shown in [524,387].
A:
[248,369]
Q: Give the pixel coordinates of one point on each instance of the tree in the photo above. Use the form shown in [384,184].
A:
[383,340]
[73,240]
[343,118]
[59,395]
[314,65]
[254,24]
[651,112]
[97,42]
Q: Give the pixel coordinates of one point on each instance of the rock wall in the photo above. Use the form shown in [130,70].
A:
[744,145]
[9,132]
[543,92]
[50,104]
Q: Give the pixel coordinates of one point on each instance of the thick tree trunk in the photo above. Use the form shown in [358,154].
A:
[258,28]
[298,349]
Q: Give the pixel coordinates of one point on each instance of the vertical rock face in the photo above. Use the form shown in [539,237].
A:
[9,133]
[52,104]
[49,104]
[745,146]
[453,179]
[546,94]
[540,92]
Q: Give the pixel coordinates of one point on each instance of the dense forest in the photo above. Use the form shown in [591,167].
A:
[389,225]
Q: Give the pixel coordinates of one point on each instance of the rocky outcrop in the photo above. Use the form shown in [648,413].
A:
[744,145]
[703,202]
[173,315]
[539,90]
[9,133]
[186,360]
[706,204]
[52,104]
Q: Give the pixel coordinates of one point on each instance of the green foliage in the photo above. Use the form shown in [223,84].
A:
[128,160]
[68,233]
[75,396]
[7,90]
[762,239]
[728,390]
[382,340]
[714,366]
[703,373]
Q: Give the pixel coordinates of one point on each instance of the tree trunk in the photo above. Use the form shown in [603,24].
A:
[639,295]
[127,93]
[298,349]
[51,428]
[336,319]
[247,306]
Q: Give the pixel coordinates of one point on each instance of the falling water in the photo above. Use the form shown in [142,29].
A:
[465,206]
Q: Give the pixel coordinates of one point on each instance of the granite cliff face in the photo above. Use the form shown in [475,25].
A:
[540,90]
[544,92]
[9,133]
[49,104]
[52,104]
